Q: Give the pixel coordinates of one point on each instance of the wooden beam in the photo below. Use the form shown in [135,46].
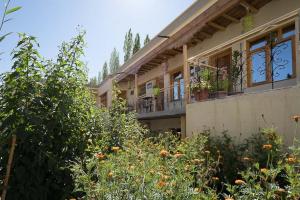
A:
[186,74]
[230,18]
[248,6]
[136,90]
[177,50]
[205,34]
[217,26]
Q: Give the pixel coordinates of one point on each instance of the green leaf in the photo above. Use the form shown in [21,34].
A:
[13,10]
[3,36]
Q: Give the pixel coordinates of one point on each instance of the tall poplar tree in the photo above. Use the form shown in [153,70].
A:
[104,71]
[128,43]
[147,40]
[114,62]
[137,44]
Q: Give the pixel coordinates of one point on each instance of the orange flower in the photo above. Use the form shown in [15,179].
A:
[296,118]
[161,184]
[291,160]
[239,182]
[115,149]
[267,146]
[215,178]
[264,170]
[164,153]
[100,156]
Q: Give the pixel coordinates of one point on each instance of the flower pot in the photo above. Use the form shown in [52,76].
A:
[201,95]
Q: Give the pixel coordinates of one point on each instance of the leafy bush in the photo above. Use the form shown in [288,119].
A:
[48,107]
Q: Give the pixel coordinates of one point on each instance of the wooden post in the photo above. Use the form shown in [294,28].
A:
[136,96]
[8,168]
[186,75]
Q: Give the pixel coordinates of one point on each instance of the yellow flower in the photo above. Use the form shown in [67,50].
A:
[215,178]
[197,190]
[296,118]
[291,160]
[110,174]
[165,177]
[264,170]
[239,182]
[267,146]
[115,149]
[164,153]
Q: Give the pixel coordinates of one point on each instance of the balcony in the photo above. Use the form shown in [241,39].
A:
[160,104]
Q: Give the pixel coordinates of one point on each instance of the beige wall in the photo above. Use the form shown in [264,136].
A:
[243,114]
[163,124]
[106,87]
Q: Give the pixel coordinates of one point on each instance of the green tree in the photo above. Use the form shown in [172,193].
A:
[48,107]
[93,82]
[128,43]
[104,71]
[114,62]
[137,44]
[147,40]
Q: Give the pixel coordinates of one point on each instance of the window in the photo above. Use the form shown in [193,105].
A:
[178,86]
[271,57]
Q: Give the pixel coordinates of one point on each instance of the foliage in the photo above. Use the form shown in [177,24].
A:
[114,62]
[137,44]
[204,80]
[93,82]
[146,40]
[160,168]
[48,107]
[104,71]
[128,44]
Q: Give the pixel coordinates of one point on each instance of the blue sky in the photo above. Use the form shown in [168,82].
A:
[106,22]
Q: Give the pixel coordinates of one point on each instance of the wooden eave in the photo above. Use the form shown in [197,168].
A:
[214,19]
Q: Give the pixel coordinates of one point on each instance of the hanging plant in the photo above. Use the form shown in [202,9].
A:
[248,22]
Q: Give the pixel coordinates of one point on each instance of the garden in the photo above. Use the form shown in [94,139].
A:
[68,148]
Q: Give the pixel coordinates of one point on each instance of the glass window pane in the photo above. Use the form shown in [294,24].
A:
[182,88]
[258,44]
[283,61]
[288,31]
[258,67]
[175,91]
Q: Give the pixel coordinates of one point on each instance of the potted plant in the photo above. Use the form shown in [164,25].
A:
[202,85]
[156,91]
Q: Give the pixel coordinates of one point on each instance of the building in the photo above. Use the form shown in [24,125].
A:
[222,65]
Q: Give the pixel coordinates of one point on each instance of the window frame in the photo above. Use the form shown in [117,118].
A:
[267,51]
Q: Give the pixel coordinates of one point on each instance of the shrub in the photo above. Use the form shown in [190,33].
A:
[47,106]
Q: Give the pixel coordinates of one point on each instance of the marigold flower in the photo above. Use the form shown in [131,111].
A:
[267,146]
[215,178]
[239,182]
[161,184]
[296,118]
[163,153]
[291,160]
[264,170]
[100,156]
[115,149]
